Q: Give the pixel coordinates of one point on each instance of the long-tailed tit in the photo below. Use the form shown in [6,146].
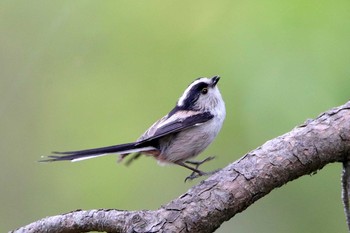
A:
[177,137]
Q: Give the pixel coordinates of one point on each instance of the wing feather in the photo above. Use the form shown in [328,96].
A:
[177,122]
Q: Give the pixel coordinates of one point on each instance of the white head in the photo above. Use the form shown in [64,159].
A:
[202,94]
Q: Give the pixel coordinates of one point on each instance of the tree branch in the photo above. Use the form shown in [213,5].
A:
[345,190]
[203,208]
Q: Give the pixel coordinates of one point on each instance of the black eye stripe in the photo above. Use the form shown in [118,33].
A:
[195,91]
[194,94]
[199,86]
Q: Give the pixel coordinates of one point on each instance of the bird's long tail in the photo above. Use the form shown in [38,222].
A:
[96,152]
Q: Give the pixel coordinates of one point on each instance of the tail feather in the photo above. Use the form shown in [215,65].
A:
[96,152]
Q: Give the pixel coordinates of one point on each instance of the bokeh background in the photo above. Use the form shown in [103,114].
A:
[83,74]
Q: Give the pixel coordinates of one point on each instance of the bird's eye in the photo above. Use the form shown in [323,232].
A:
[204,91]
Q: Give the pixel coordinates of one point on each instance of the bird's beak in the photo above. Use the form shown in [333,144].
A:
[215,80]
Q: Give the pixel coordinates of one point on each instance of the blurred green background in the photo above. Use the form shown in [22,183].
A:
[83,74]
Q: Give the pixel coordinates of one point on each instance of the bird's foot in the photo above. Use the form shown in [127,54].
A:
[198,173]
[198,163]
[195,175]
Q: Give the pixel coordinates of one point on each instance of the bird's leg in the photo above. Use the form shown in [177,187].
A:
[198,163]
[132,158]
[195,175]
[195,171]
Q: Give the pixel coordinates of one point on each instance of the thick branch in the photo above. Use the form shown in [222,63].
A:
[203,208]
[345,190]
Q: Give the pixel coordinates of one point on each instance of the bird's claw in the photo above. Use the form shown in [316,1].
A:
[198,163]
[195,175]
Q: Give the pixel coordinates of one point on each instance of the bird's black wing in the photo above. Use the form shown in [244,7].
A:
[178,125]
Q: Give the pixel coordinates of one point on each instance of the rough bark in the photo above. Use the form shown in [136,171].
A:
[345,190]
[203,208]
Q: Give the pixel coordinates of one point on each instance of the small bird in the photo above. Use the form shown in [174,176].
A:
[176,138]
